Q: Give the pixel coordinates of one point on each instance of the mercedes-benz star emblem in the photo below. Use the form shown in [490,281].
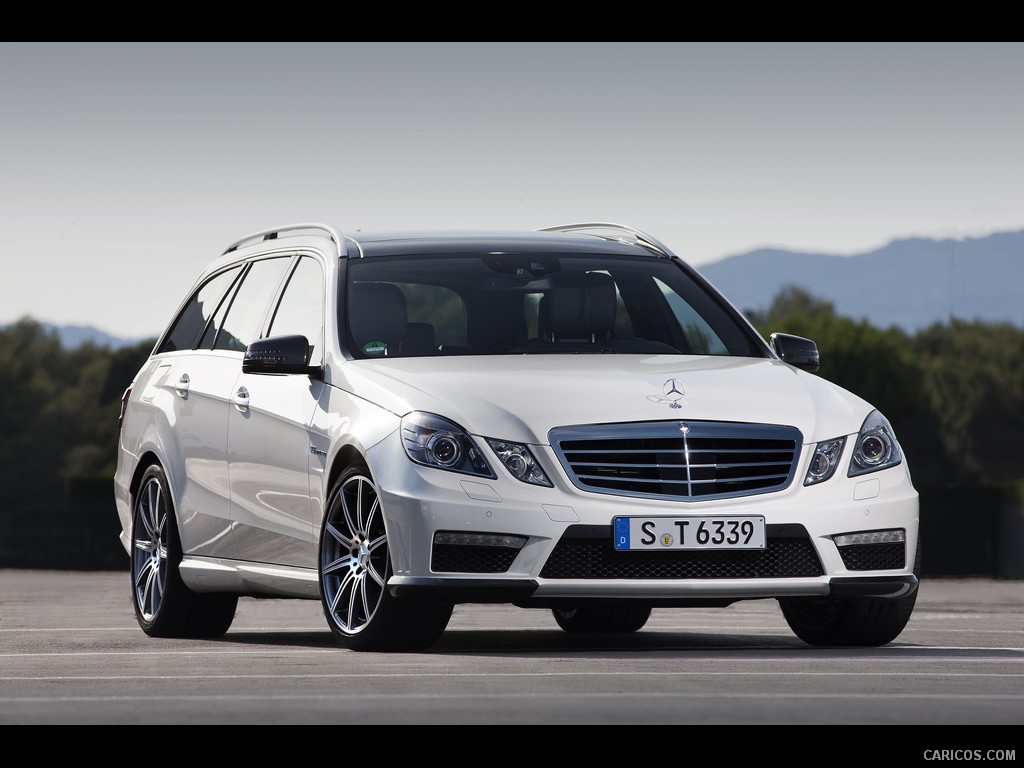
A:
[674,392]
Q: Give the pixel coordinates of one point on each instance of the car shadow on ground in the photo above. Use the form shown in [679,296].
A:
[528,641]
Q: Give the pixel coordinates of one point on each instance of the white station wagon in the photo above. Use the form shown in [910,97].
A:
[569,419]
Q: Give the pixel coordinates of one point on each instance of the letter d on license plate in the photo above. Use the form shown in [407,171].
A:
[658,533]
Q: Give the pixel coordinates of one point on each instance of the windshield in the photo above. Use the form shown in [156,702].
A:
[510,304]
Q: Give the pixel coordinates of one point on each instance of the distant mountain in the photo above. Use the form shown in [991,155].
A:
[74,336]
[910,283]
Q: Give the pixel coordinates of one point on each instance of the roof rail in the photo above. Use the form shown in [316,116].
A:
[595,227]
[272,234]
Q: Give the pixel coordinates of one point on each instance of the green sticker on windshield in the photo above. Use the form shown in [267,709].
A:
[375,347]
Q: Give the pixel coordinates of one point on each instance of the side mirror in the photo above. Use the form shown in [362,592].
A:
[797,351]
[278,354]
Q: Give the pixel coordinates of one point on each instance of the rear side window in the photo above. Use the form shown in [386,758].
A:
[197,313]
[249,304]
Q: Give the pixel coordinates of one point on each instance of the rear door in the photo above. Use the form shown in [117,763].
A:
[189,395]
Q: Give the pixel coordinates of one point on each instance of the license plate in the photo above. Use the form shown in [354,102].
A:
[658,533]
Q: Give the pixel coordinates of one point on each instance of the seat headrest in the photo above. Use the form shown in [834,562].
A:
[582,308]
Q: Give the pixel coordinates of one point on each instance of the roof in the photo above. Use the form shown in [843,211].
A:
[583,238]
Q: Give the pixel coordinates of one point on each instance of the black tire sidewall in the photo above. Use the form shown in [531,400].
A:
[172,577]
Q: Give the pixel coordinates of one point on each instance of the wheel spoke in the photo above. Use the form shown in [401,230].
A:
[151,591]
[374,574]
[345,585]
[142,574]
[144,545]
[161,523]
[153,507]
[380,541]
[338,536]
[372,569]
[363,588]
[360,511]
[144,518]
[356,589]
[346,508]
[342,563]
[156,491]
[371,518]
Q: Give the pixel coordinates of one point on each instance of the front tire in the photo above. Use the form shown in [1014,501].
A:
[847,622]
[826,622]
[164,606]
[602,619]
[354,566]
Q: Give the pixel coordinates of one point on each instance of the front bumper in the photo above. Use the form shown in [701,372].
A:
[530,593]
[564,550]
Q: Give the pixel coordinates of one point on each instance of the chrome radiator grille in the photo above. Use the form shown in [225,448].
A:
[679,459]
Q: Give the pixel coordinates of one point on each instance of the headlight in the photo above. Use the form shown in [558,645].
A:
[824,461]
[876,447]
[436,442]
[519,461]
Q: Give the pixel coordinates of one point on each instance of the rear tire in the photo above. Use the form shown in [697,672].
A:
[602,619]
[164,606]
[354,566]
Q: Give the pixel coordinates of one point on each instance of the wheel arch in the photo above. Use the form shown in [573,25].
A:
[346,456]
[146,460]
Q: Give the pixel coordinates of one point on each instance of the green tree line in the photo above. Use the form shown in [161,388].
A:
[954,393]
[59,409]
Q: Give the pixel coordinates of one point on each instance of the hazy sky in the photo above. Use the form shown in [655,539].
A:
[126,167]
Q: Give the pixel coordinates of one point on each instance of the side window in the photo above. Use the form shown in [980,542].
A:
[193,319]
[301,309]
[249,305]
[218,320]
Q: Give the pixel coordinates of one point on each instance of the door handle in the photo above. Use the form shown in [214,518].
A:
[241,399]
[182,386]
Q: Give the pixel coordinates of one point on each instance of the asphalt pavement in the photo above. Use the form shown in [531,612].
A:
[71,653]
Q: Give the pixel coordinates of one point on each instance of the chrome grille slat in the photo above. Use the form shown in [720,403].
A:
[665,450]
[684,482]
[677,464]
[684,460]
[635,479]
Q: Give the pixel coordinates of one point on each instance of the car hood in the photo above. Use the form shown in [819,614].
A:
[522,397]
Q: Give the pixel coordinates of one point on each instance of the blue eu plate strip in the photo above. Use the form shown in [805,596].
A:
[622,533]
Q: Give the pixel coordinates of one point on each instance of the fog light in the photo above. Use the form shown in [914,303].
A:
[870,537]
[463,539]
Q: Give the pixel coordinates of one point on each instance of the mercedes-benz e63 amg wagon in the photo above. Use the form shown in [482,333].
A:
[570,419]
